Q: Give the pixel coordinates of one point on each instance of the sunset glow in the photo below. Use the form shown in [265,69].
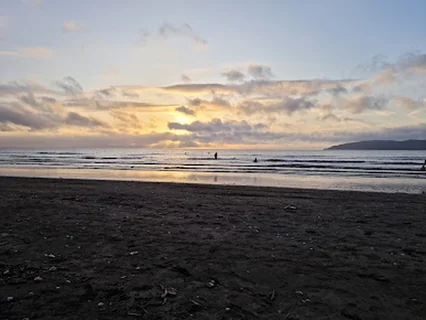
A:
[158,74]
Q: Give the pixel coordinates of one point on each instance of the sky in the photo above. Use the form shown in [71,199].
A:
[210,74]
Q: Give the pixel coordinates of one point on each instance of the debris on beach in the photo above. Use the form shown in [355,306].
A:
[38,279]
[49,255]
[132,253]
[134,314]
[299,293]
[212,283]
[170,291]
[195,303]
[290,207]
[53,268]
[9,299]
[100,304]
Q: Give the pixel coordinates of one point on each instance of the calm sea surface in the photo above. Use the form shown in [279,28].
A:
[383,171]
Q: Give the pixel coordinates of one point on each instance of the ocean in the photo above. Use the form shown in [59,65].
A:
[381,171]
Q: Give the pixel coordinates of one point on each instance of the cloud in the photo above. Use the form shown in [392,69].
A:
[326,113]
[218,101]
[48,100]
[259,72]
[244,133]
[30,112]
[377,63]
[103,100]
[229,132]
[39,113]
[14,88]
[35,3]
[130,94]
[337,90]
[106,93]
[199,88]
[41,105]
[250,107]
[70,86]
[266,88]
[29,52]
[195,102]
[113,140]
[291,105]
[185,78]
[186,110]
[361,104]
[18,114]
[386,77]
[409,103]
[318,108]
[167,30]
[233,75]
[287,105]
[362,88]
[280,88]
[44,104]
[387,73]
[72,26]
[414,62]
[216,125]
[75,119]
[331,117]
[127,121]
[215,101]
[6,127]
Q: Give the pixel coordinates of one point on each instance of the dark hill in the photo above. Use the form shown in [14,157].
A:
[382,145]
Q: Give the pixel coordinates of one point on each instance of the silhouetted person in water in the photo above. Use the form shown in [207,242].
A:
[423,168]
[255,160]
[215,156]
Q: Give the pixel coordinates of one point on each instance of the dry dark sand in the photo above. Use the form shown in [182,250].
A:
[106,250]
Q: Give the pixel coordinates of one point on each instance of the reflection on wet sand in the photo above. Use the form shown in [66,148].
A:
[258,179]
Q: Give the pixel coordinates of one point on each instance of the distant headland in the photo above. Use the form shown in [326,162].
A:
[381,145]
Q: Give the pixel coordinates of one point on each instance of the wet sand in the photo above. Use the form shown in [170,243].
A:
[79,249]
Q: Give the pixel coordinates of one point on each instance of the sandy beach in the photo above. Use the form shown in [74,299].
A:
[80,249]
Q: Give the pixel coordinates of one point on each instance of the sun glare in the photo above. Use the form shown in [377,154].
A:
[182,119]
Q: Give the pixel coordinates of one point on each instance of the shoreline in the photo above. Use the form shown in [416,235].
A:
[312,182]
[108,249]
[275,189]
